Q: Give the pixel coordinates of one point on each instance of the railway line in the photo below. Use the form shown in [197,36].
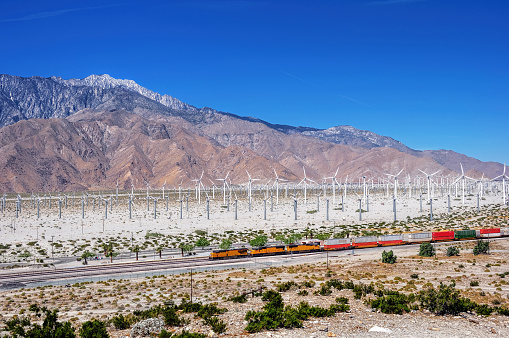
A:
[12,280]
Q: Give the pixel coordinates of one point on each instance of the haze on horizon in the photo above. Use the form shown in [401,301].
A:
[428,73]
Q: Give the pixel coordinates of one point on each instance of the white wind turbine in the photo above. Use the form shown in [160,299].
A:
[504,177]
[276,183]
[462,178]
[198,187]
[395,182]
[334,181]
[429,180]
[224,185]
[249,185]
[305,180]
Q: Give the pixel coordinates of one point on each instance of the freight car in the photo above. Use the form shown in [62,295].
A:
[361,242]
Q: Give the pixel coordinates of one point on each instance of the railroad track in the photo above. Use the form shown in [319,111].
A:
[110,269]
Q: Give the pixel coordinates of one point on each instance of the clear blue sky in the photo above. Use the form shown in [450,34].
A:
[433,74]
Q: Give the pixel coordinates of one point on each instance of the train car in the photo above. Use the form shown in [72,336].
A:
[227,254]
[218,254]
[419,237]
[295,248]
[365,242]
[387,240]
[337,244]
[504,232]
[442,236]
[268,250]
[489,233]
[461,235]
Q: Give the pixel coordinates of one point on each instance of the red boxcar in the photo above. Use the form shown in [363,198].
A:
[442,235]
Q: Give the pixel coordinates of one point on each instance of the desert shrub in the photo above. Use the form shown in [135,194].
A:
[342,300]
[426,250]
[302,293]
[122,322]
[481,247]
[474,283]
[452,251]
[325,290]
[308,284]
[444,301]
[94,329]
[283,287]
[483,310]
[414,275]
[388,257]
[51,327]
[396,303]
[361,290]
[171,317]
[275,315]
[239,299]
[217,325]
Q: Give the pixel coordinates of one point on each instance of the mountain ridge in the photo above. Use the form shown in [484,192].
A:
[38,97]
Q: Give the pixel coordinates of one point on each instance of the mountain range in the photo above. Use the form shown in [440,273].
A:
[91,133]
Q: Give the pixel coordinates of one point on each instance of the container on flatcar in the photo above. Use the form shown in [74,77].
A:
[419,237]
[442,236]
[337,244]
[461,235]
[489,233]
[390,240]
[504,231]
[365,242]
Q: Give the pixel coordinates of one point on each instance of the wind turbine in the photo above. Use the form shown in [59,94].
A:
[276,183]
[395,183]
[224,185]
[305,179]
[334,181]
[249,187]
[429,180]
[504,177]
[462,178]
[198,187]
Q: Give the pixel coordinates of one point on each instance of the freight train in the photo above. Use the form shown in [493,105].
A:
[361,242]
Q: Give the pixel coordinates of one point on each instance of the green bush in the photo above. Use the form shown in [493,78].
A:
[239,299]
[93,329]
[283,287]
[484,310]
[396,303]
[474,283]
[452,251]
[217,325]
[388,257]
[51,327]
[275,315]
[426,250]
[444,301]
[260,240]
[342,300]
[122,322]
[481,247]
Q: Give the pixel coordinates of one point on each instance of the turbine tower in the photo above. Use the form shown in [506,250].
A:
[504,177]
[429,181]
[395,183]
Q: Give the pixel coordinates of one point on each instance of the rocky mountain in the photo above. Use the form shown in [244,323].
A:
[102,129]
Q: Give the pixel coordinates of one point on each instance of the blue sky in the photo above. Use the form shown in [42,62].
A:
[432,74]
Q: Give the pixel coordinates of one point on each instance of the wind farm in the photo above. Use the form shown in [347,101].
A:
[181,214]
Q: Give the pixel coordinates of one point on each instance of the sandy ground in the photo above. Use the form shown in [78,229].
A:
[73,234]
[103,300]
